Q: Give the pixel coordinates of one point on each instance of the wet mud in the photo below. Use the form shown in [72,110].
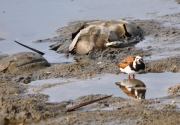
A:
[18,107]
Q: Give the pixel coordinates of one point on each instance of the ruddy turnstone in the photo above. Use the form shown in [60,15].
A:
[131,65]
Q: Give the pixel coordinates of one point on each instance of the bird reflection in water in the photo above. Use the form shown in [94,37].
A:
[133,87]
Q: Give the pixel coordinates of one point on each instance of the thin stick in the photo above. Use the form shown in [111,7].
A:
[86,103]
[35,50]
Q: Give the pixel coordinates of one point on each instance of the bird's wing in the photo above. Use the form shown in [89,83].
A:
[125,62]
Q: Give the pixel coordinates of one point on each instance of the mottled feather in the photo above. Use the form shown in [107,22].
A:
[125,62]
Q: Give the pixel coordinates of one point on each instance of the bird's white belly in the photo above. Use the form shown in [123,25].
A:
[128,70]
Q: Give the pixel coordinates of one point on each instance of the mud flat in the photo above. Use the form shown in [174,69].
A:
[18,106]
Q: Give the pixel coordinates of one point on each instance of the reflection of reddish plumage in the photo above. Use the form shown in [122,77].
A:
[131,65]
[129,93]
[133,87]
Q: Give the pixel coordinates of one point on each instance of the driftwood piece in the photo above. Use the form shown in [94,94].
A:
[86,103]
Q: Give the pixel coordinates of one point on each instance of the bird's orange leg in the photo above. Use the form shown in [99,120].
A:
[129,77]
[133,76]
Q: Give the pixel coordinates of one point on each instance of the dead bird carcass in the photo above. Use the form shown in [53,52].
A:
[92,37]
[102,34]
[23,62]
[121,28]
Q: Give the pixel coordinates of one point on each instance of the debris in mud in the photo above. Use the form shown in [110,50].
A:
[103,34]
[23,61]
[90,38]
[35,50]
[121,28]
[86,103]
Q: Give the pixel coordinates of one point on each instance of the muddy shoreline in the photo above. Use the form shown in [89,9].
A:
[18,107]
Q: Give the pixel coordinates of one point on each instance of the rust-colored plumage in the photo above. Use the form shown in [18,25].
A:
[128,93]
[125,62]
[131,65]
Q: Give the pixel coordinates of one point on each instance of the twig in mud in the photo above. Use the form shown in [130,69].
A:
[86,103]
[35,50]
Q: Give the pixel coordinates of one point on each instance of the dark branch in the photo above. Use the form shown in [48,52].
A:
[86,103]
[35,50]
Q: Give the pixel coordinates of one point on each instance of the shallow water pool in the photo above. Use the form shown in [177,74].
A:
[156,85]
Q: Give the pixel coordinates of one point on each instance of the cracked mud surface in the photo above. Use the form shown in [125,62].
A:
[18,107]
